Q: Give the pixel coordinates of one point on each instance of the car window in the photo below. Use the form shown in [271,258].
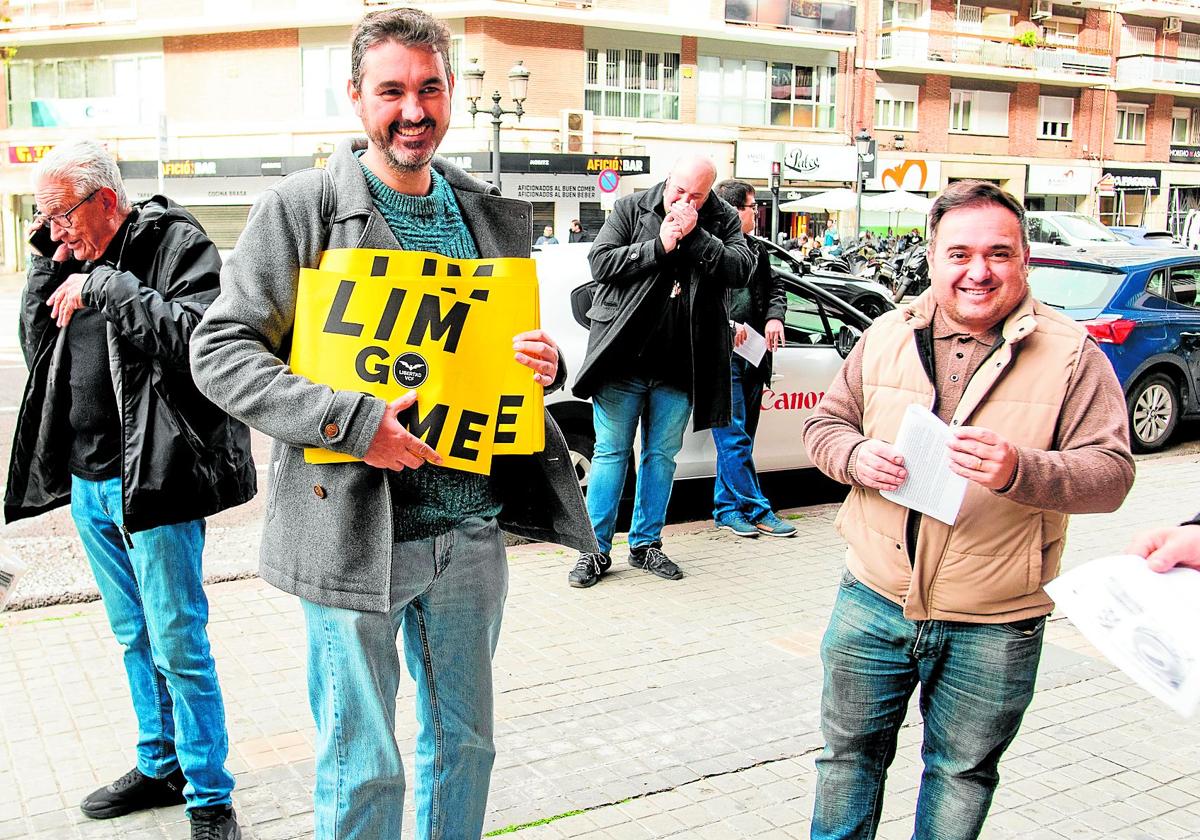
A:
[1183,284]
[1157,284]
[1085,228]
[1071,287]
[1037,230]
[810,322]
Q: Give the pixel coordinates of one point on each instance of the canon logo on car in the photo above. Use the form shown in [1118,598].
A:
[790,400]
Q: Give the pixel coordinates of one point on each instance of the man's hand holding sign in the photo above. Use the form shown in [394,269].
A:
[429,334]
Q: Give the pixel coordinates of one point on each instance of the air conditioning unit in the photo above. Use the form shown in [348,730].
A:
[1042,9]
[1172,24]
[575,133]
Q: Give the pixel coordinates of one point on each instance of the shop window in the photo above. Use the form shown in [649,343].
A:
[1054,117]
[978,112]
[896,106]
[633,83]
[82,92]
[1131,123]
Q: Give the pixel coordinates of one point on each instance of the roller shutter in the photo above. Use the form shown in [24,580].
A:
[222,222]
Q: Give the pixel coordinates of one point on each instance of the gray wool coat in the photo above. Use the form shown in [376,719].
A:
[328,531]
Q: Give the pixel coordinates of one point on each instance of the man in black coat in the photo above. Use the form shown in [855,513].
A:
[739,504]
[578,234]
[658,350]
[112,424]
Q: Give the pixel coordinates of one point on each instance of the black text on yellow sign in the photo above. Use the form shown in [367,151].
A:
[385,322]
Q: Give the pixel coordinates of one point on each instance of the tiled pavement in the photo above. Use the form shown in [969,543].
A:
[656,709]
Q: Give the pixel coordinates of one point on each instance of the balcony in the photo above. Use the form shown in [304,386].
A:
[38,14]
[1155,74]
[971,55]
[1186,9]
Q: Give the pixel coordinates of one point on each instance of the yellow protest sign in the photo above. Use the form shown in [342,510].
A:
[385,322]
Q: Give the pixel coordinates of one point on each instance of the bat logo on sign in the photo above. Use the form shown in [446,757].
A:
[410,369]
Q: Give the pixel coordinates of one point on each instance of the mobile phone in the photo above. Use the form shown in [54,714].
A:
[41,240]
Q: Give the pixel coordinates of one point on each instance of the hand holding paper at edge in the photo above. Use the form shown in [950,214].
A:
[878,465]
[1143,621]
[931,487]
[537,351]
[1168,548]
[754,347]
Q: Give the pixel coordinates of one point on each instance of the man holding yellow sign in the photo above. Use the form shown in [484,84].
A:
[366,322]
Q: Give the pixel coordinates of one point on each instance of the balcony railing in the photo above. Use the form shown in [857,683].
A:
[1153,69]
[966,48]
[30,14]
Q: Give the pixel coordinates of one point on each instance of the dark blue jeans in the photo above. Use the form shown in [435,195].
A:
[617,410]
[736,488]
[158,611]
[976,682]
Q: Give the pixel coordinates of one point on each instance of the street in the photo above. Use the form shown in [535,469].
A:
[640,708]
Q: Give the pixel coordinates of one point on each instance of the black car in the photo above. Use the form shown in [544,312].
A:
[868,297]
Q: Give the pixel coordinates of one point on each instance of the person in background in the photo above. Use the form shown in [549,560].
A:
[547,237]
[658,346]
[739,504]
[578,233]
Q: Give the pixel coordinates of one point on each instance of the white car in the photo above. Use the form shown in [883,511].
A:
[1075,230]
[819,330]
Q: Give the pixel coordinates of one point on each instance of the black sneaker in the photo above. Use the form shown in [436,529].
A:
[134,791]
[588,569]
[217,822]
[653,559]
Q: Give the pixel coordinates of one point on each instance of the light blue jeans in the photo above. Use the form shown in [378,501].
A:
[157,609]
[976,682]
[447,595]
[736,488]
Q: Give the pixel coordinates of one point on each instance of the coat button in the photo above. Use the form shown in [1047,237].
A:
[319,491]
[633,255]
[331,430]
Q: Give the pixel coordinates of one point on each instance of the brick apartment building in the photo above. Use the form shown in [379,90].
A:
[214,100]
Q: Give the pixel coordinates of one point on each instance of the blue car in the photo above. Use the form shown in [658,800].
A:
[1140,305]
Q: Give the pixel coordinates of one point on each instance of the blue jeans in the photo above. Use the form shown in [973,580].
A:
[617,408]
[447,595]
[157,609]
[976,682]
[736,488]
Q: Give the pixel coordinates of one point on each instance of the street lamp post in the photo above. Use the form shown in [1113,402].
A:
[518,89]
[862,144]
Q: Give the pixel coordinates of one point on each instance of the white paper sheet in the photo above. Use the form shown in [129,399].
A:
[754,347]
[11,570]
[930,487]
[1145,622]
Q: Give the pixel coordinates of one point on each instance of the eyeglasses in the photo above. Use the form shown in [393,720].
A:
[748,207]
[63,220]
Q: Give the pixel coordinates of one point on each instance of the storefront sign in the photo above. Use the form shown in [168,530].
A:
[550,187]
[801,161]
[1185,154]
[1138,180]
[903,173]
[27,154]
[1061,180]
[553,164]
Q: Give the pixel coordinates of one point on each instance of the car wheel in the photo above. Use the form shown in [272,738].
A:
[870,306]
[1153,412]
[581,444]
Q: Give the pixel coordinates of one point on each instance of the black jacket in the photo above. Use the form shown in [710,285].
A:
[628,262]
[768,299]
[182,458]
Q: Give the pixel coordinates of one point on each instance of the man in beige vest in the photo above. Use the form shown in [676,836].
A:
[1039,432]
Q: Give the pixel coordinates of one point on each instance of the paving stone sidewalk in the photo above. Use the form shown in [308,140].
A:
[639,708]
